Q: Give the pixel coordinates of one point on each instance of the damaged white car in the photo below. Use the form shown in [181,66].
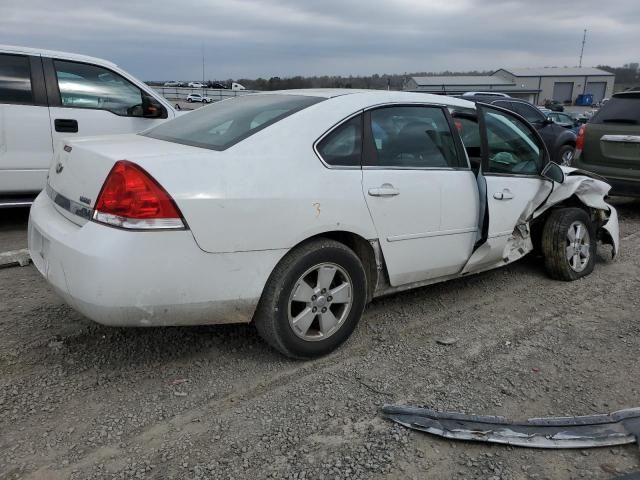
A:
[294,209]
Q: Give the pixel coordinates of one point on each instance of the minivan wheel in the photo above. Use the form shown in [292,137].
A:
[313,300]
[566,154]
[569,244]
[189,100]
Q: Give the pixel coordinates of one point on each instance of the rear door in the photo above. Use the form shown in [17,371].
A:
[420,191]
[25,134]
[87,99]
[512,157]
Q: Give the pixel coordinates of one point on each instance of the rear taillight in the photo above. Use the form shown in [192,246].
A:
[131,198]
[580,139]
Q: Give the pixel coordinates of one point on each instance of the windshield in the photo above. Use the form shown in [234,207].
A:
[228,122]
[622,109]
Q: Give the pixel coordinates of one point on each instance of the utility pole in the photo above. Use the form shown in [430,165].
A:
[203,63]
[584,40]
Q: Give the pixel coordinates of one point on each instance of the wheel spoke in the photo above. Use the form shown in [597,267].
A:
[585,250]
[341,294]
[325,276]
[576,260]
[571,234]
[570,252]
[579,232]
[327,321]
[303,292]
[303,320]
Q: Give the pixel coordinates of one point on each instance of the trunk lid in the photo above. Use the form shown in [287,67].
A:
[80,167]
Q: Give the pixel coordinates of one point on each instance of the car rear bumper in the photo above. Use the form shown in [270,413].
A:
[123,278]
[624,187]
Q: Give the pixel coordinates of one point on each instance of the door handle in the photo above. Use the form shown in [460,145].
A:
[68,125]
[385,190]
[503,195]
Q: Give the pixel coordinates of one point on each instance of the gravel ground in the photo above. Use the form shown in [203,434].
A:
[82,401]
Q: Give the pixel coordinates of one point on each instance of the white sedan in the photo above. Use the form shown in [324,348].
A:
[196,97]
[294,209]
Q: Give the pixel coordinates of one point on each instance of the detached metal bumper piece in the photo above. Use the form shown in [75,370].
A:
[617,428]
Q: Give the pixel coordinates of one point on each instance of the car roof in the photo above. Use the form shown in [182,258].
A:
[55,54]
[492,99]
[377,96]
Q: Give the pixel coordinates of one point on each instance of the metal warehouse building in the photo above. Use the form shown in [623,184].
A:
[533,84]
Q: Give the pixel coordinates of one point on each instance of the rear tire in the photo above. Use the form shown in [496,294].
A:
[189,100]
[313,299]
[569,244]
[565,155]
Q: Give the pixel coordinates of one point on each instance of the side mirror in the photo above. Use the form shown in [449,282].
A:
[547,121]
[553,171]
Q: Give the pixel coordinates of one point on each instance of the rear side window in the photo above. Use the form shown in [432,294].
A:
[15,79]
[531,114]
[228,122]
[412,137]
[623,109]
[343,146]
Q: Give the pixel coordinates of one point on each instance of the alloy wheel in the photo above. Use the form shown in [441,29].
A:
[320,302]
[578,248]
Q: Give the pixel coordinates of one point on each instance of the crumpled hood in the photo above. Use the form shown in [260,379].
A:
[589,189]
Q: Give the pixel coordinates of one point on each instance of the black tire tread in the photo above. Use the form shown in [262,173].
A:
[264,318]
[553,243]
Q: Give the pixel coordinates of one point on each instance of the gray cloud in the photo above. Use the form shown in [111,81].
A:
[251,38]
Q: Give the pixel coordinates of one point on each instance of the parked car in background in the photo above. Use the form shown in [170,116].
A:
[196,85]
[172,84]
[294,209]
[560,141]
[236,86]
[609,144]
[565,120]
[216,85]
[47,96]
[554,105]
[486,94]
[196,97]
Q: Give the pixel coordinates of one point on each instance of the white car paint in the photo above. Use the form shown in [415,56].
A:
[246,207]
[195,85]
[196,97]
[28,135]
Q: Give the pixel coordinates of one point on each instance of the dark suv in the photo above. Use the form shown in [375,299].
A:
[609,144]
[560,142]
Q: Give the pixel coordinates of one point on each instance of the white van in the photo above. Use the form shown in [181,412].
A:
[46,96]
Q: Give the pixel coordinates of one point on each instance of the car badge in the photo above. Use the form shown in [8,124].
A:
[67,148]
[59,167]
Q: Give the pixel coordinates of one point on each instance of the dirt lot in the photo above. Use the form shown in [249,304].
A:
[82,401]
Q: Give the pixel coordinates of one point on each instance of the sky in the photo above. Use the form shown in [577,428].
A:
[165,40]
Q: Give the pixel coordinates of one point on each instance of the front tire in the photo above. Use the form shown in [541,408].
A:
[189,100]
[313,300]
[569,244]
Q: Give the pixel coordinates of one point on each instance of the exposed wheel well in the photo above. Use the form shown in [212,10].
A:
[362,248]
[537,225]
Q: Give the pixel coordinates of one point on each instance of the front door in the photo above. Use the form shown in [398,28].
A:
[420,191]
[88,99]
[513,156]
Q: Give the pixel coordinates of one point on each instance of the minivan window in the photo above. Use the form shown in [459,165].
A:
[90,86]
[620,109]
[15,79]
[223,124]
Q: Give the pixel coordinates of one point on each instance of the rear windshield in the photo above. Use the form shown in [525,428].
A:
[622,109]
[228,122]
